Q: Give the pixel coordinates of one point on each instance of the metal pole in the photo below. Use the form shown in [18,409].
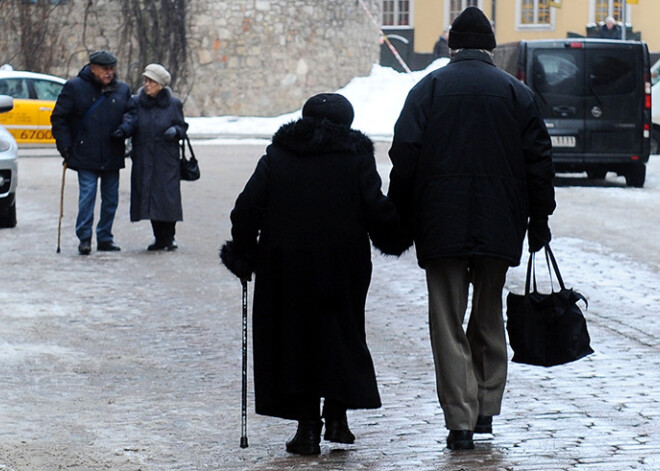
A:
[244,438]
[493,16]
[623,18]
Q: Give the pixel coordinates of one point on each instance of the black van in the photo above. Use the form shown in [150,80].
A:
[595,96]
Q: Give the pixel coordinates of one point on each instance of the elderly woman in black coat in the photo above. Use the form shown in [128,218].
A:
[155,122]
[303,224]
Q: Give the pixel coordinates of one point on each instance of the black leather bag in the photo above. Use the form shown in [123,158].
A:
[547,329]
[189,167]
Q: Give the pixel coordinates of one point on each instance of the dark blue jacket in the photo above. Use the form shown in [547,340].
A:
[472,161]
[88,141]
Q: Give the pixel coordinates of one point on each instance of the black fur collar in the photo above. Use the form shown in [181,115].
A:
[314,136]
[162,99]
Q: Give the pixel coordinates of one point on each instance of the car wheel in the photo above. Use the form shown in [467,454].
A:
[636,175]
[9,218]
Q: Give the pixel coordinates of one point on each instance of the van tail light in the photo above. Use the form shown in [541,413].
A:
[647,130]
[520,75]
[634,157]
[647,90]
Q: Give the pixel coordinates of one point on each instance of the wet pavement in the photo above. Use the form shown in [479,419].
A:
[132,360]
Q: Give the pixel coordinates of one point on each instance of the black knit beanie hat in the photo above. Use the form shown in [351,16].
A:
[471,30]
[330,106]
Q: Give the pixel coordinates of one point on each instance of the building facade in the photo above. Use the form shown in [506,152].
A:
[415,25]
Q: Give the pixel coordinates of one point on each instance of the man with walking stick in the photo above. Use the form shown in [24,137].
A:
[87,112]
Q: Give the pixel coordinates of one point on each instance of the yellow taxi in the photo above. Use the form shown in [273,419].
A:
[34,99]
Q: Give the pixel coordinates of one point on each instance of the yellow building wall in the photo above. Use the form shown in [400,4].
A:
[429,21]
[573,16]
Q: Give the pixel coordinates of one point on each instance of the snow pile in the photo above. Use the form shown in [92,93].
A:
[377,100]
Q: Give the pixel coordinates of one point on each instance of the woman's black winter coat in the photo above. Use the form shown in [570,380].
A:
[472,161]
[306,216]
[88,142]
[155,175]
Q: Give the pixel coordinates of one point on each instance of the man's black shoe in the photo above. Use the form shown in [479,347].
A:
[107,247]
[484,424]
[156,246]
[460,440]
[85,247]
[307,438]
[171,247]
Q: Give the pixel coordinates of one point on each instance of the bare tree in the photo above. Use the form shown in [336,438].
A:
[155,31]
[32,33]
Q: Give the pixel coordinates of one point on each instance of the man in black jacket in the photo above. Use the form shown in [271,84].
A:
[472,171]
[87,112]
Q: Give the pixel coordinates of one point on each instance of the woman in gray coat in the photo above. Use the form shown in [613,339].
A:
[155,122]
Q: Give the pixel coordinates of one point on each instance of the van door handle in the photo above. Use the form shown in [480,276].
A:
[564,111]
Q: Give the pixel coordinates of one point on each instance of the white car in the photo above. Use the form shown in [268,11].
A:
[8,169]
[655,106]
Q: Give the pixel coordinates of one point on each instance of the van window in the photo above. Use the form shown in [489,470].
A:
[557,72]
[612,72]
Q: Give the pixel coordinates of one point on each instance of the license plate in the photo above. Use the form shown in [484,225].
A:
[563,141]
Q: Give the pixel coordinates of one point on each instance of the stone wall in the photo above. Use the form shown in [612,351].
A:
[246,57]
[266,57]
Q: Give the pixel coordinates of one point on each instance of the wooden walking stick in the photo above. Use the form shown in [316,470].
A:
[244,438]
[59,224]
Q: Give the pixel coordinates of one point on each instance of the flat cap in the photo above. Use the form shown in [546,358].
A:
[102,58]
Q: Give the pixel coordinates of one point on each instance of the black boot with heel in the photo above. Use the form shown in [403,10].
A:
[307,438]
[336,424]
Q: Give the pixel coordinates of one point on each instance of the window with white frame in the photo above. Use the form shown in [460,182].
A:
[605,8]
[534,14]
[397,12]
[457,6]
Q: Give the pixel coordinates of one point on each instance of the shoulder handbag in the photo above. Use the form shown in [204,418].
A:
[547,329]
[189,167]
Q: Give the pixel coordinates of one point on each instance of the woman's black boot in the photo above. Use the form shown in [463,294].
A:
[336,424]
[307,438]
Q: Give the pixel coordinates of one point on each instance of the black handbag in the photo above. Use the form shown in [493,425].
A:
[189,167]
[547,329]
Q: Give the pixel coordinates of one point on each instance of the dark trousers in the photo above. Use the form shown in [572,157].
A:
[163,231]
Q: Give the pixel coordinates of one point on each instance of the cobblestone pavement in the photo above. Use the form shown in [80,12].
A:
[132,360]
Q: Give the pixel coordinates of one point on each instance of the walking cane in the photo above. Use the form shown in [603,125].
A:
[244,439]
[59,224]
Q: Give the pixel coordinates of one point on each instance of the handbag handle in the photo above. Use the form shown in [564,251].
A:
[550,260]
[183,141]
[531,269]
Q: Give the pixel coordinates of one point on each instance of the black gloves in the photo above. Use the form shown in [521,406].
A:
[171,134]
[119,134]
[538,233]
[240,262]
[66,154]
